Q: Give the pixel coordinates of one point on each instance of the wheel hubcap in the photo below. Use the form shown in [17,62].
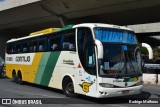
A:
[69,88]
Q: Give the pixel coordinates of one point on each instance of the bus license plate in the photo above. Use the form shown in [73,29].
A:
[125,92]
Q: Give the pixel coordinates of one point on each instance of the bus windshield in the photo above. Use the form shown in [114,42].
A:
[113,60]
[121,53]
[120,59]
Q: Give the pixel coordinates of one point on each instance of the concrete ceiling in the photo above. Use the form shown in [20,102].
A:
[45,13]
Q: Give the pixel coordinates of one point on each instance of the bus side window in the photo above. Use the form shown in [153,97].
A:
[90,60]
[18,48]
[33,45]
[14,48]
[86,50]
[54,42]
[25,46]
[42,44]
[30,46]
[54,47]
[84,37]
[68,42]
[10,48]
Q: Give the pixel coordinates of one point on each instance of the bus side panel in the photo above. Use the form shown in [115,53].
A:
[32,70]
[55,81]
[49,68]
[67,65]
[46,68]
[9,70]
[28,71]
[62,67]
[41,67]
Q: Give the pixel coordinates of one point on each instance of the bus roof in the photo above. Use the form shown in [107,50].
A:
[54,30]
[42,32]
[92,25]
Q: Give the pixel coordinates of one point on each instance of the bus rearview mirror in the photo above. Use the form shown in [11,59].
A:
[99,49]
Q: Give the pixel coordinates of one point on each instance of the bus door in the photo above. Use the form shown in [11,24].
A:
[87,56]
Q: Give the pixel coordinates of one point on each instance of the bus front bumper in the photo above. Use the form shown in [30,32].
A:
[113,92]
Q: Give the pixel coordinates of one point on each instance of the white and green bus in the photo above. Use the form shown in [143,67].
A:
[97,60]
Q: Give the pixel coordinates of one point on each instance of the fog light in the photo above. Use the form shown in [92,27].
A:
[100,92]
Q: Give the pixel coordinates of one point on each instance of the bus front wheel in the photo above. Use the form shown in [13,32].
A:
[68,87]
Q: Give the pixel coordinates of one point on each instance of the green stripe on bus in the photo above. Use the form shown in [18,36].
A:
[41,68]
[127,80]
[49,68]
[65,28]
[131,79]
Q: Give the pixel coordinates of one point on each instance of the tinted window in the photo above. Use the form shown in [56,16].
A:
[54,42]
[86,50]
[42,44]
[90,60]
[25,46]
[68,40]
[10,48]
[18,48]
[33,45]
[84,37]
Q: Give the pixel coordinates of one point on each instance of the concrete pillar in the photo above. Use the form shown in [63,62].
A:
[63,20]
[4,37]
[2,46]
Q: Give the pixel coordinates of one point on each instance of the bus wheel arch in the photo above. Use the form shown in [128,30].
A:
[14,76]
[19,77]
[68,86]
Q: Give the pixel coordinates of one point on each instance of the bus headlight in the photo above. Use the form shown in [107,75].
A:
[106,85]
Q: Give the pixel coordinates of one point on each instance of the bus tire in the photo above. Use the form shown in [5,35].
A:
[19,78]
[14,77]
[68,87]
